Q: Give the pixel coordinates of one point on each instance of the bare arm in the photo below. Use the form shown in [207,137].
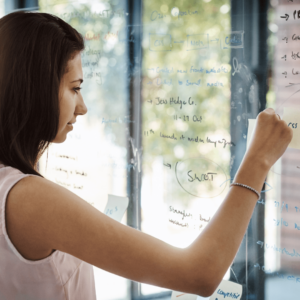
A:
[221,238]
[52,216]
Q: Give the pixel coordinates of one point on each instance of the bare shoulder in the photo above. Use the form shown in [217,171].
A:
[36,211]
[21,220]
[45,215]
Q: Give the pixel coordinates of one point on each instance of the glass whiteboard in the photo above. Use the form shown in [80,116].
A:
[170,86]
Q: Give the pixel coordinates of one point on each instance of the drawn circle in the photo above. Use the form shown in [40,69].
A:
[200,177]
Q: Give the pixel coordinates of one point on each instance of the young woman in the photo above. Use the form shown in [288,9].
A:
[49,237]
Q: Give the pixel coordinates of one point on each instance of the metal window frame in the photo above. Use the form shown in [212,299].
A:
[252,18]
[135,55]
[13,5]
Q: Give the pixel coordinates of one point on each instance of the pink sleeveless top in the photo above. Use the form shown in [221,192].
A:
[59,276]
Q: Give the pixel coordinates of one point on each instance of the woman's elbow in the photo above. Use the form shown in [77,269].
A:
[202,278]
[206,283]
[206,289]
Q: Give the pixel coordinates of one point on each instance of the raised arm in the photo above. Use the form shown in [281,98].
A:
[221,238]
[58,219]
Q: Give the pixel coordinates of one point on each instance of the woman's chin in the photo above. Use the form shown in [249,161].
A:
[60,138]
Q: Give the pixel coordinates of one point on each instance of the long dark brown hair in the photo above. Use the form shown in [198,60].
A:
[34,51]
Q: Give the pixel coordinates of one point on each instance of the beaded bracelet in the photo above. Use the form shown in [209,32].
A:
[247,187]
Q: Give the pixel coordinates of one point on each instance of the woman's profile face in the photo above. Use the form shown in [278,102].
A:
[70,99]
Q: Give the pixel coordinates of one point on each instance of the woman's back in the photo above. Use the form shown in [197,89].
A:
[58,276]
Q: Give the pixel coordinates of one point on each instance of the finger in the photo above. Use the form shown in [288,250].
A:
[270,110]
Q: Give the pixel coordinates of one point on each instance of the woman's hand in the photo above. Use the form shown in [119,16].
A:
[270,139]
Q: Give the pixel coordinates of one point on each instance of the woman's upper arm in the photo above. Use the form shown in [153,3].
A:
[68,223]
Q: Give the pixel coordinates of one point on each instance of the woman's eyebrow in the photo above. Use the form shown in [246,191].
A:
[81,80]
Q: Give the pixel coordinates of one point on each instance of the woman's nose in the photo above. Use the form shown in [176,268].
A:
[81,108]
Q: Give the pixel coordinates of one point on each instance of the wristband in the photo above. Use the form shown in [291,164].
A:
[247,187]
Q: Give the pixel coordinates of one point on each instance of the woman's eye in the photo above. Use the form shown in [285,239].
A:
[77,89]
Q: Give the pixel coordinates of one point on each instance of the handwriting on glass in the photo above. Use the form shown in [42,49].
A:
[203,177]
